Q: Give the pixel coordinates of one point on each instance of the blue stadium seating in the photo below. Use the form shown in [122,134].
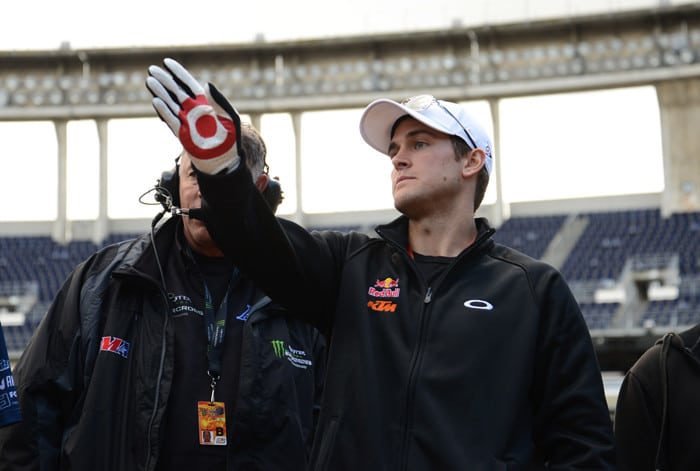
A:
[530,235]
[598,315]
[609,240]
[39,259]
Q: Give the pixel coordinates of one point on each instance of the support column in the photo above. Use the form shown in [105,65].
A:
[256,120]
[296,126]
[101,228]
[60,232]
[679,105]
[502,210]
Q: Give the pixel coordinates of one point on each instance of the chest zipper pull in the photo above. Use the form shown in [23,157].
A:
[428,295]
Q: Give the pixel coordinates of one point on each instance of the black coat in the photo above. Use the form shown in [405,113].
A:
[86,408]
[489,366]
[658,408]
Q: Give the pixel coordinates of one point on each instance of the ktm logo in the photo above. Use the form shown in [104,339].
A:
[382,306]
[115,345]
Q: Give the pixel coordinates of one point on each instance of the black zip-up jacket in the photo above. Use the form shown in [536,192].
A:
[658,407]
[490,367]
[88,409]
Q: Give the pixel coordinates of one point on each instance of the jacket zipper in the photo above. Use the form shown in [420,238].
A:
[427,299]
[413,378]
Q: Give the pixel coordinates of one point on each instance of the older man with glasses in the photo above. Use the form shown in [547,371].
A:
[448,351]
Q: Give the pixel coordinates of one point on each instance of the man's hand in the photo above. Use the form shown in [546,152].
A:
[206,124]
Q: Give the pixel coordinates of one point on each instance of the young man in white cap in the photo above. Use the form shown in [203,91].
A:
[447,350]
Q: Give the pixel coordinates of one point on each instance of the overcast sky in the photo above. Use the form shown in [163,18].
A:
[46,24]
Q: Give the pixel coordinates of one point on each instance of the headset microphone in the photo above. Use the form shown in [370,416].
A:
[167,194]
[194,213]
[164,198]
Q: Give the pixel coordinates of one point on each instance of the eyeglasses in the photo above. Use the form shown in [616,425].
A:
[423,102]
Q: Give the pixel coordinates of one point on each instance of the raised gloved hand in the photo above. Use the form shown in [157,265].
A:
[206,124]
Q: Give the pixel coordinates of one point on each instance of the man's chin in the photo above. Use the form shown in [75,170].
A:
[402,203]
[412,207]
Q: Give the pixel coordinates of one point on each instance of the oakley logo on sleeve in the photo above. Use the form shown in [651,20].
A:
[478,304]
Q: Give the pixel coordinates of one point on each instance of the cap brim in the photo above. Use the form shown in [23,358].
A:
[379,117]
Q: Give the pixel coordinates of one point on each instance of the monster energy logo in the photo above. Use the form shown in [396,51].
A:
[278,346]
[296,357]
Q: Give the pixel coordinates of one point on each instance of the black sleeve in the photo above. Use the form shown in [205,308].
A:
[573,429]
[638,415]
[297,269]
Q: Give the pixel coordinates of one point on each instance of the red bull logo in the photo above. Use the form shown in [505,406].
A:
[388,282]
[386,288]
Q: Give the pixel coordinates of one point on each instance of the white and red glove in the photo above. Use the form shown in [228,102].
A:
[206,124]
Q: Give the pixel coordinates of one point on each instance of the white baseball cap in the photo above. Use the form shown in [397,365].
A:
[450,118]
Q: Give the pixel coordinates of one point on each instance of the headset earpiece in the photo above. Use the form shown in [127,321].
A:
[273,194]
[168,188]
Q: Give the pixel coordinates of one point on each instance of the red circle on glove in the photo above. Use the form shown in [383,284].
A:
[206,126]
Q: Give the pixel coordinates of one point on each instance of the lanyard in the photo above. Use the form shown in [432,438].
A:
[215,324]
[215,320]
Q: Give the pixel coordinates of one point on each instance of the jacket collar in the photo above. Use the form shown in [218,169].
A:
[396,232]
[140,259]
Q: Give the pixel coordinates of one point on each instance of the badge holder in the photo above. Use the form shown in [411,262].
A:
[212,420]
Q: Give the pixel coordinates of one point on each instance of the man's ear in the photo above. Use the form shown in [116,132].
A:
[474,162]
[262,182]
